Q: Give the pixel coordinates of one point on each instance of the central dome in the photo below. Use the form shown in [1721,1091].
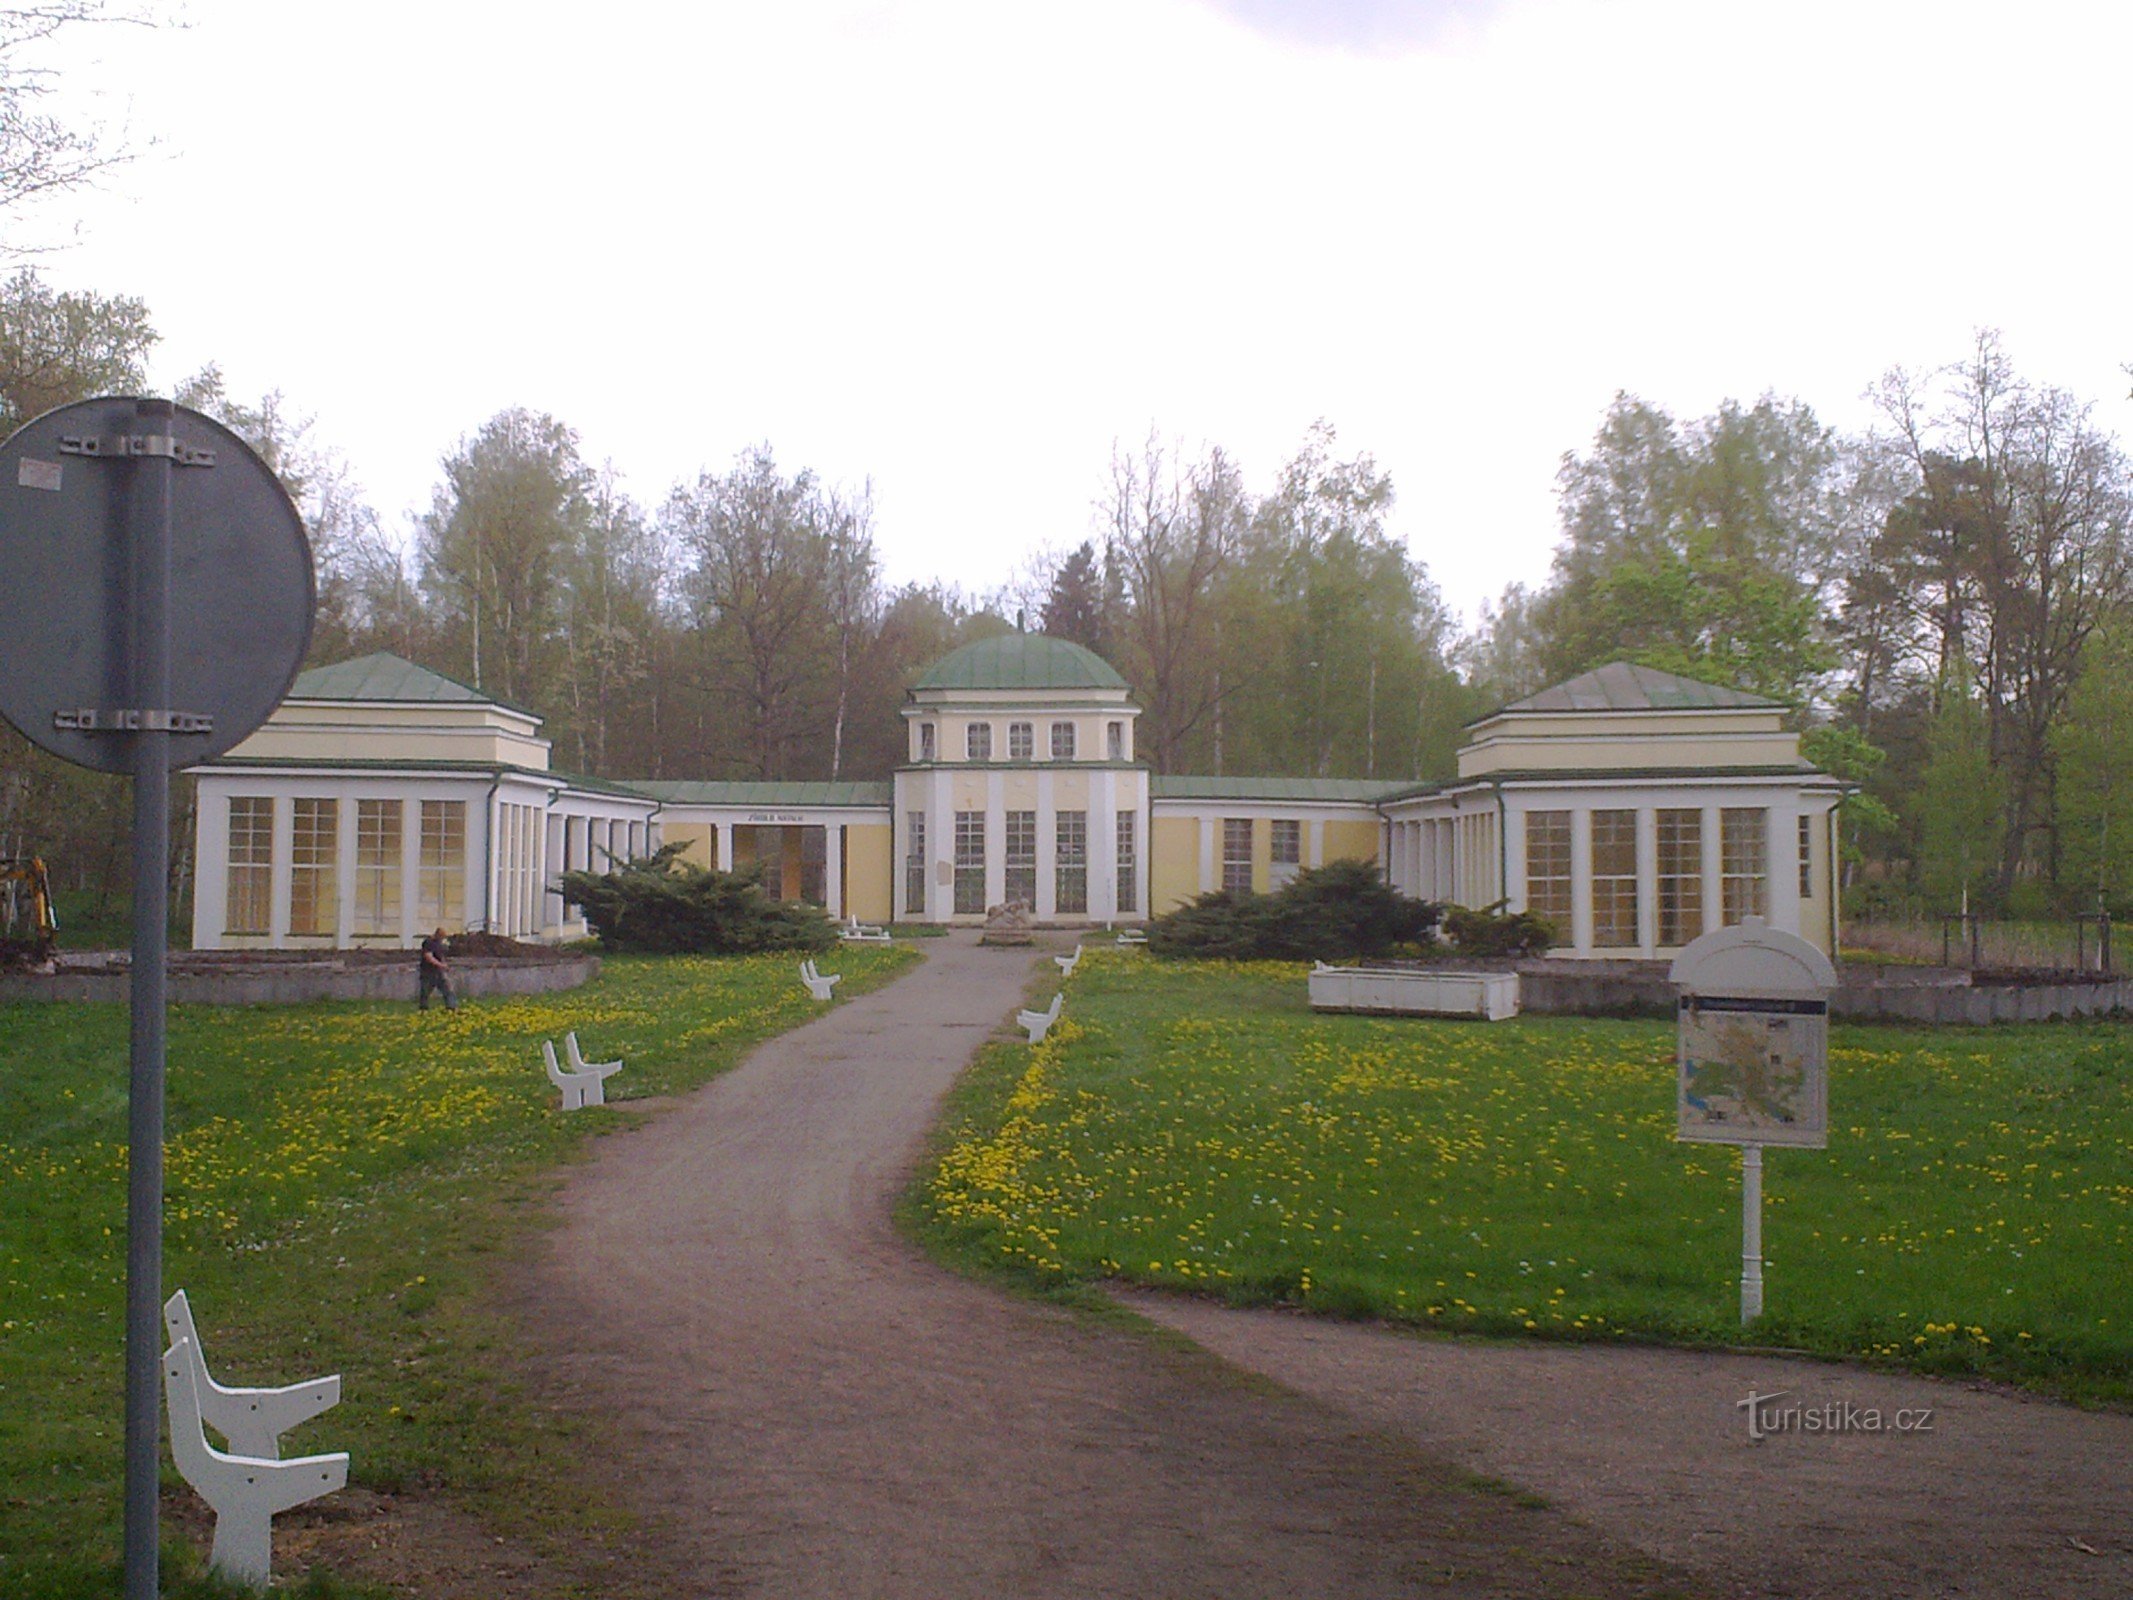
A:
[1020,661]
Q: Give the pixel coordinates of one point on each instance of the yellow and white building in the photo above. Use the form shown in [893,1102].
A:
[1633,808]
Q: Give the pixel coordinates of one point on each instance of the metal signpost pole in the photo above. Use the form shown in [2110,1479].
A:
[1751,1233]
[148,533]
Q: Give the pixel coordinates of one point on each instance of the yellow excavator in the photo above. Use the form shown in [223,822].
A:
[29,932]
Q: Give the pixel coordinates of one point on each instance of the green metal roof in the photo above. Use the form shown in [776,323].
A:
[1624,686]
[385,676]
[1021,661]
[756,793]
[1365,791]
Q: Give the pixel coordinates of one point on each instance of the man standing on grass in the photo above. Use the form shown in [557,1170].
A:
[435,974]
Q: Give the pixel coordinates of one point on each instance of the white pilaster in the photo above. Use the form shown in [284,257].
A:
[1714,911]
[1581,878]
[833,868]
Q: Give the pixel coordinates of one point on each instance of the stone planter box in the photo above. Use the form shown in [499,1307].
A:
[1393,992]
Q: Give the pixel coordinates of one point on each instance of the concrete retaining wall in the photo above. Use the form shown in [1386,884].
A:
[1936,996]
[287,982]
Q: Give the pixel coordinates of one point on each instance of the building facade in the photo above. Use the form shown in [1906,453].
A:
[1632,808]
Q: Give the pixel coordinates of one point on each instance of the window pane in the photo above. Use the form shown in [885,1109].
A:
[915,864]
[251,885]
[1021,741]
[1286,846]
[1237,854]
[1743,862]
[977,741]
[1071,861]
[1021,857]
[1807,858]
[970,863]
[314,867]
[1128,864]
[1680,876]
[1062,741]
[1614,879]
[1115,740]
[442,867]
[377,885]
[925,741]
[1548,870]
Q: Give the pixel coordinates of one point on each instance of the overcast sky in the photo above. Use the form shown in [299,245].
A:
[961,248]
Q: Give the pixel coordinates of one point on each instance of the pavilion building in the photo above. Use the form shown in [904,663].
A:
[1632,808]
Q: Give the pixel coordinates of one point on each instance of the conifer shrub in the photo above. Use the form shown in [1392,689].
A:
[662,905]
[1490,931]
[1343,911]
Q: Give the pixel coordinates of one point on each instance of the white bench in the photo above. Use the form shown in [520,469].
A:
[853,931]
[580,1089]
[817,984]
[1067,964]
[1132,936]
[578,1063]
[243,1491]
[1039,1023]
[251,1420]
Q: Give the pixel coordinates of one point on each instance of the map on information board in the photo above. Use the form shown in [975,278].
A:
[1753,1072]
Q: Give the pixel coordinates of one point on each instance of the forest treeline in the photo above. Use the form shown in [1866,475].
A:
[1944,599]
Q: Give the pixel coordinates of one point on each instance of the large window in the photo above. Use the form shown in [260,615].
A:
[1547,869]
[1070,861]
[977,741]
[1237,854]
[441,870]
[377,874]
[1614,879]
[1128,864]
[1021,741]
[1021,857]
[251,891]
[1744,862]
[1062,741]
[915,864]
[1286,851]
[314,866]
[1680,876]
[970,863]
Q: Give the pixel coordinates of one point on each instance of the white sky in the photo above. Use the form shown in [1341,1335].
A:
[960,248]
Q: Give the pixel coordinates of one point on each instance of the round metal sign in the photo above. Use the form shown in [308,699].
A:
[241,590]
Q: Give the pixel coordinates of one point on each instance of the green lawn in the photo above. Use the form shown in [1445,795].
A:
[1197,1126]
[343,1180]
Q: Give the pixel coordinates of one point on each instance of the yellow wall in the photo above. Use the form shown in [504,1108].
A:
[1173,863]
[868,865]
[790,867]
[1351,841]
[698,837]
[1262,855]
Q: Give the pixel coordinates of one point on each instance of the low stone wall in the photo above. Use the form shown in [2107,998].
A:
[239,982]
[1940,996]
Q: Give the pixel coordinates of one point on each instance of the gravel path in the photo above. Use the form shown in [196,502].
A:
[812,1409]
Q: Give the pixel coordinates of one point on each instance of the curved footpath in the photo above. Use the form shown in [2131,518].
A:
[812,1409]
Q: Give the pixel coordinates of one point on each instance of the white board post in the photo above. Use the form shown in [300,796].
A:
[1753,1061]
[1751,1233]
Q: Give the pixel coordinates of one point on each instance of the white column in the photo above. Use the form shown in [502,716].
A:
[1209,877]
[1581,878]
[1046,904]
[344,871]
[1781,858]
[1315,843]
[411,931]
[1647,880]
[940,848]
[1713,906]
[211,866]
[559,861]
[833,868]
[1103,846]
[722,837]
[995,838]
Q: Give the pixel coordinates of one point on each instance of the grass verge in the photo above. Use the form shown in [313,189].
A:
[1196,1126]
[344,1181]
